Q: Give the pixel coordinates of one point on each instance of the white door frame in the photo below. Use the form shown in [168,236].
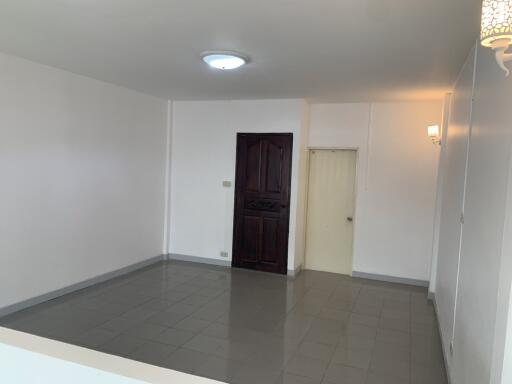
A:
[356,194]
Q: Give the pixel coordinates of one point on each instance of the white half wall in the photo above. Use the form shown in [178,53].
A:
[474,262]
[396,180]
[82,168]
[29,359]
[204,155]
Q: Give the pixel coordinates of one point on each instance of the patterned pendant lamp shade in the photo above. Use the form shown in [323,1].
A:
[496,21]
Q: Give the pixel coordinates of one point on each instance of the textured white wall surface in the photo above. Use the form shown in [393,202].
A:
[82,167]
[475,273]
[396,180]
[204,155]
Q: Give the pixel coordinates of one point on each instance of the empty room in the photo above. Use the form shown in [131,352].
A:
[256,192]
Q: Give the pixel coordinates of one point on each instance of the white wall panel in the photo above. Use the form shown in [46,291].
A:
[204,155]
[396,180]
[455,156]
[475,301]
[82,178]
[482,260]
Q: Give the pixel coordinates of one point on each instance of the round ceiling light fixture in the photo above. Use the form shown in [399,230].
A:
[224,60]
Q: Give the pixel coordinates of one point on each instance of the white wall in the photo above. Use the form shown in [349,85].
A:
[82,174]
[49,370]
[502,351]
[54,362]
[204,155]
[454,157]
[302,174]
[439,195]
[396,182]
[473,289]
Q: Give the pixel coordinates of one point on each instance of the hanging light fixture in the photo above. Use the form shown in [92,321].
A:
[496,30]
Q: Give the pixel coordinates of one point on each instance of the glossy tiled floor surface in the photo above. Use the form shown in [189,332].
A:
[248,327]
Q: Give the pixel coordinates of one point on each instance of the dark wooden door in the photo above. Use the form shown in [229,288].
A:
[262,201]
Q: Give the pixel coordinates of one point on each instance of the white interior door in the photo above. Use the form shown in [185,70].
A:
[330,213]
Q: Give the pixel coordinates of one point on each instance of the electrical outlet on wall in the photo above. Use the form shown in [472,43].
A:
[224,254]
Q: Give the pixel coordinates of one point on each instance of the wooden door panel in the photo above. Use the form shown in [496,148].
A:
[258,204]
[274,174]
[270,237]
[252,180]
[250,234]
[262,201]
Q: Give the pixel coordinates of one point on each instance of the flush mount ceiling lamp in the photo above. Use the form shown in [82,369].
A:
[434,132]
[497,29]
[224,60]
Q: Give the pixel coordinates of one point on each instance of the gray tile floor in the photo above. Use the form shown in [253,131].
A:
[249,327]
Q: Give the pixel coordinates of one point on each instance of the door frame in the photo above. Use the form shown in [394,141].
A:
[356,194]
[284,270]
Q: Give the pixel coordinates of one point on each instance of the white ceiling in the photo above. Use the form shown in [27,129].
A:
[324,50]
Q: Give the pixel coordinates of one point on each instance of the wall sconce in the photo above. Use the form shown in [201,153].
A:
[496,30]
[434,133]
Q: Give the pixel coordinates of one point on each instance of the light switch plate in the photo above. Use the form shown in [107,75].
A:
[226,183]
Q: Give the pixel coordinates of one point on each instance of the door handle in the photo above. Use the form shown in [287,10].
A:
[350,219]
